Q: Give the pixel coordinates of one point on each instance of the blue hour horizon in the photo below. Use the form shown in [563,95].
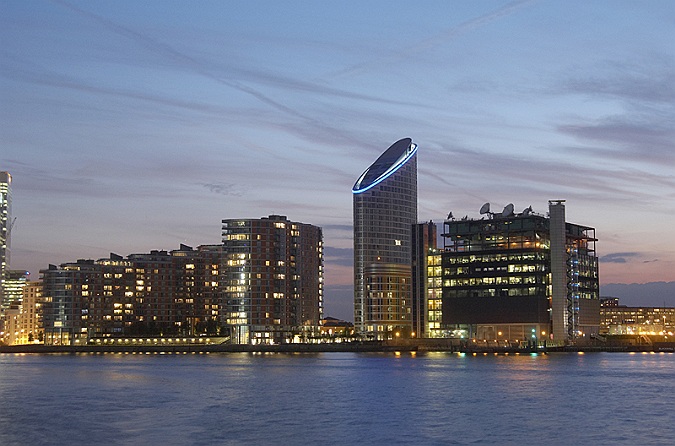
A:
[130,126]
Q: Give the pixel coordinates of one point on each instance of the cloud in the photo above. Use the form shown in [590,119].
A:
[655,294]
[641,139]
[618,257]
[648,80]
[348,228]
[223,189]
[641,130]
[339,256]
[232,77]
[434,41]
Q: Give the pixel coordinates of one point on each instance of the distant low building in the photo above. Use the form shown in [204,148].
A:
[618,319]
[334,327]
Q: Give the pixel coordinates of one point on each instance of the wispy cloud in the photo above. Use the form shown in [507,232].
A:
[434,41]
[618,257]
[339,256]
[223,189]
[641,129]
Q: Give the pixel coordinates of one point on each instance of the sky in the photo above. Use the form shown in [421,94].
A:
[130,126]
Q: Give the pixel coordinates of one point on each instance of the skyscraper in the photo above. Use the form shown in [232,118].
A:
[385,210]
[5,227]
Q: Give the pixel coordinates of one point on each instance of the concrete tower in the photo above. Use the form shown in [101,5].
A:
[385,210]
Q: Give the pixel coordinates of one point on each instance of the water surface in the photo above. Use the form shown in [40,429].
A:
[337,398]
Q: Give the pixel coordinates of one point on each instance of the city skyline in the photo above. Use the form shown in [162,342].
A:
[135,126]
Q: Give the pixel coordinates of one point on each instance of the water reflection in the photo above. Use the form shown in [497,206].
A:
[374,398]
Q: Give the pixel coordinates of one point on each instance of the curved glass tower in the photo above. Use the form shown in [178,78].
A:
[385,209]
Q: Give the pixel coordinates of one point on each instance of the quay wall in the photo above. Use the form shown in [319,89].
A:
[417,345]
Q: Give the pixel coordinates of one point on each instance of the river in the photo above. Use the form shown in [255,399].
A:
[337,399]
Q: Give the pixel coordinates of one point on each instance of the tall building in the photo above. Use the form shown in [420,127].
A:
[271,279]
[66,292]
[15,281]
[423,242]
[514,277]
[385,210]
[5,227]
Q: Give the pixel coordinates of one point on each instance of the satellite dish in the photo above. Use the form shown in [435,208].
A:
[485,209]
[508,210]
[450,216]
[527,210]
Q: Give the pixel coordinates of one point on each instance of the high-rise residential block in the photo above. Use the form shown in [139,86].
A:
[271,279]
[385,210]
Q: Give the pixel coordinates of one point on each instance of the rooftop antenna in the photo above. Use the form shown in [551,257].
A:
[485,209]
[508,210]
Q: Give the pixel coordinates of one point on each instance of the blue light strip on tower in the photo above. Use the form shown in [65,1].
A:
[388,173]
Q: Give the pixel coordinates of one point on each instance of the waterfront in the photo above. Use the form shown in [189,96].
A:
[337,398]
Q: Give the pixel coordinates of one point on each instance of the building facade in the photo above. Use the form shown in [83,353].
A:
[271,279]
[15,281]
[423,242]
[618,319]
[5,227]
[156,294]
[23,318]
[385,210]
[514,277]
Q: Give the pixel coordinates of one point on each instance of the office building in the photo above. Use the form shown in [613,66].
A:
[513,276]
[15,281]
[271,279]
[385,210]
[6,224]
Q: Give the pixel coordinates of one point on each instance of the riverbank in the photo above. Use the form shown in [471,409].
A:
[419,345]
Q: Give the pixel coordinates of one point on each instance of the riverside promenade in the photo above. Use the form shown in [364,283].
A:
[399,345]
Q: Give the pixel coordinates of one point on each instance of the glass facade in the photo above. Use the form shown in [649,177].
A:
[494,279]
[385,210]
[5,229]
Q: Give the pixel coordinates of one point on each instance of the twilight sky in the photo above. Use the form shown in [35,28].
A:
[130,126]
